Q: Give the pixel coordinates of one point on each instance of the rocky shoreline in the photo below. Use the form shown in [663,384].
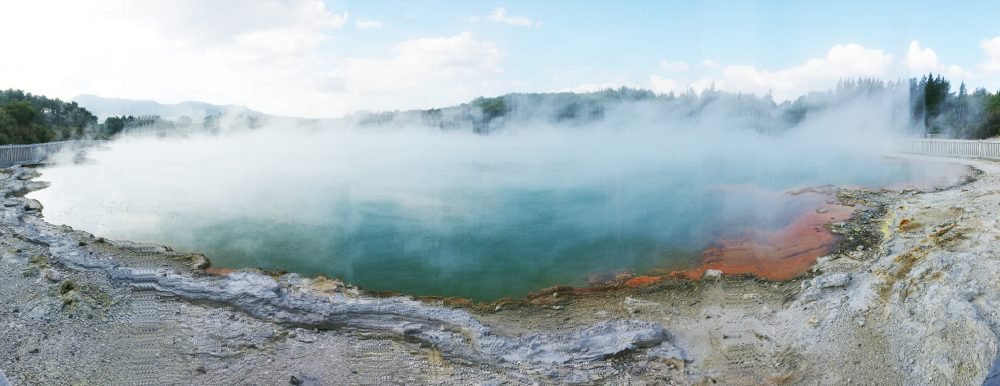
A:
[898,302]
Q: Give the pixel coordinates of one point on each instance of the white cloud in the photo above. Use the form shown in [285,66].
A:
[283,40]
[279,56]
[269,55]
[677,66]
[263,53]
[661,85]
[368,24]
[920,60]
[420,59]
[212,23]
[499,15]
[425,72]
[841,61]
[991,47]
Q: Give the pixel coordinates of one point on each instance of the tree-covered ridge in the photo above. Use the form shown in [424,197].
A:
[927,104]
[27,118]
[155,124]
[761,113]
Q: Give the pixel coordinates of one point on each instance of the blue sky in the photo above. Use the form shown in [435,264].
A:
[329,58]
[629,38]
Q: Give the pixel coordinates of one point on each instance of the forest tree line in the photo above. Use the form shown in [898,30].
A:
[954,114]
[934,108]
[27,118]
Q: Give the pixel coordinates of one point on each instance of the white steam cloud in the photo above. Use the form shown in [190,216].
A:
[530,205]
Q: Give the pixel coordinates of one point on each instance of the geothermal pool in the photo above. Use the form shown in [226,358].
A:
[452,214]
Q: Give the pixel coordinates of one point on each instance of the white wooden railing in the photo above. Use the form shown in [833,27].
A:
[949,147]
[36,152]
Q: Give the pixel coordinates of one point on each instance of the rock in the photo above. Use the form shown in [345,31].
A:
[811,294]
[293,279]
[305,338]
[712,274]
[31,186]
[52,275]
[199,262]
[32,205]
[252,284]
[831,280]
[813,290]
[27,174]
[597,342]
[302,380]
[3,379]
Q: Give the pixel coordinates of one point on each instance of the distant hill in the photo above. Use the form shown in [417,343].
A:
[130,116]
[107,107]
[926,103]
[485,115]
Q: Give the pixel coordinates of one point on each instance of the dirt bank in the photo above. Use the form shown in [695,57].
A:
[908,297]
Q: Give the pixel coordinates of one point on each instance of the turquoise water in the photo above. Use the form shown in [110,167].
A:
[475,225]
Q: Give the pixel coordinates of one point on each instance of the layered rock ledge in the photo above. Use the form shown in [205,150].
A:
[907,296]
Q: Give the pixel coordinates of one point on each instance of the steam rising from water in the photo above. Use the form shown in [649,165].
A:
[424,211]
